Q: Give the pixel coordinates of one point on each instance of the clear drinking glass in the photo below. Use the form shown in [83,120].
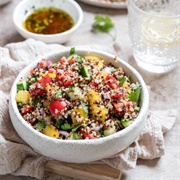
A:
[154,27]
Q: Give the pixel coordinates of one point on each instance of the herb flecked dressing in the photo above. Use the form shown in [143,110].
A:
[48,21]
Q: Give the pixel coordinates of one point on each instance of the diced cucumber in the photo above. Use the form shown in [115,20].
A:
[125,122]
[75,93]
[85,107]
[74,136]
[109,131]
[59,93]
[137,108]
[85,71]
[22,85]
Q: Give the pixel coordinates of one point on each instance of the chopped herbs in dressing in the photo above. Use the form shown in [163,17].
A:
[48,21]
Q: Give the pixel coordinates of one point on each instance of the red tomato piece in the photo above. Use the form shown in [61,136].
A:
[86,135]
[56,107]
[112,82]
[27,108]
[71,61]
[69,82]
[116,96]
[93,84]
[119,110]
[42,63]
[37,91]
[45,80]
[65,78]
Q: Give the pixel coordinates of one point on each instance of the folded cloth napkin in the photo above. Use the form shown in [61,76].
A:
[17,158]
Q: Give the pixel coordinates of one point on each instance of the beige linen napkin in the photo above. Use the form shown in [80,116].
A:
[17,158]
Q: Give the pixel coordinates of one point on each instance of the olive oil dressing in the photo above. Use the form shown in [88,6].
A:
[48,21]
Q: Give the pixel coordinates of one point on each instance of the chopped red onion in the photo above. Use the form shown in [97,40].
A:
[64,133]
[42,111]
[48,63]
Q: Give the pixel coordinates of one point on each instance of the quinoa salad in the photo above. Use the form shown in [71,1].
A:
[78,98]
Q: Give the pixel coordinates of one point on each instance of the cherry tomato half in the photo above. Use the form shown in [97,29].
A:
[112,82]
[27,108]
[119,110]
[56,107]
[45,80]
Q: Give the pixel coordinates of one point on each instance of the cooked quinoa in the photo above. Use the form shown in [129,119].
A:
[78,98]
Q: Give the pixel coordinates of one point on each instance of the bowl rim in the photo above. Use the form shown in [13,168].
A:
[143,111]
[76,25]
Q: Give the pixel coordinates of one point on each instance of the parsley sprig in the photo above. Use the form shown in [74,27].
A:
[103,23]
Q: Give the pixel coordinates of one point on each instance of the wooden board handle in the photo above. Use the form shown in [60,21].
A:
[83,171]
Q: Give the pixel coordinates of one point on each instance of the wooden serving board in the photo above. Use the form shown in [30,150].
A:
[83,171]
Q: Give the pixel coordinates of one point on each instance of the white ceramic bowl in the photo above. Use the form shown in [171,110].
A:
[80,151]
[26,7]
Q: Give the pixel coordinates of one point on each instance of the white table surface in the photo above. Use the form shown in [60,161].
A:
[164,94]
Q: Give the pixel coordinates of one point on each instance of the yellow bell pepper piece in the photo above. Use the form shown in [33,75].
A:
[50,131]
[93,97]
[91,58]
[125,85]
[52,75]
[23,97]
[103,75]
[78,115]
[51,88]
[99,113]
[95,59]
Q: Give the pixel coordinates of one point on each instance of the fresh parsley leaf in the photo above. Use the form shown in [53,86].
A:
[41,125]
[60,122]
[76,127]
[135,94]
[36,101]
[72,50]
[66,126]
[121,80]
[103,23]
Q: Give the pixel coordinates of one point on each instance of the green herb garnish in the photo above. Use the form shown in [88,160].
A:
[41,125]
[66,126]
[72,50]
[103,23]
[135,94]
[121,80]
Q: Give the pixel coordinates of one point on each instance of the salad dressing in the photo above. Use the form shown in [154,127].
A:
[48,21]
